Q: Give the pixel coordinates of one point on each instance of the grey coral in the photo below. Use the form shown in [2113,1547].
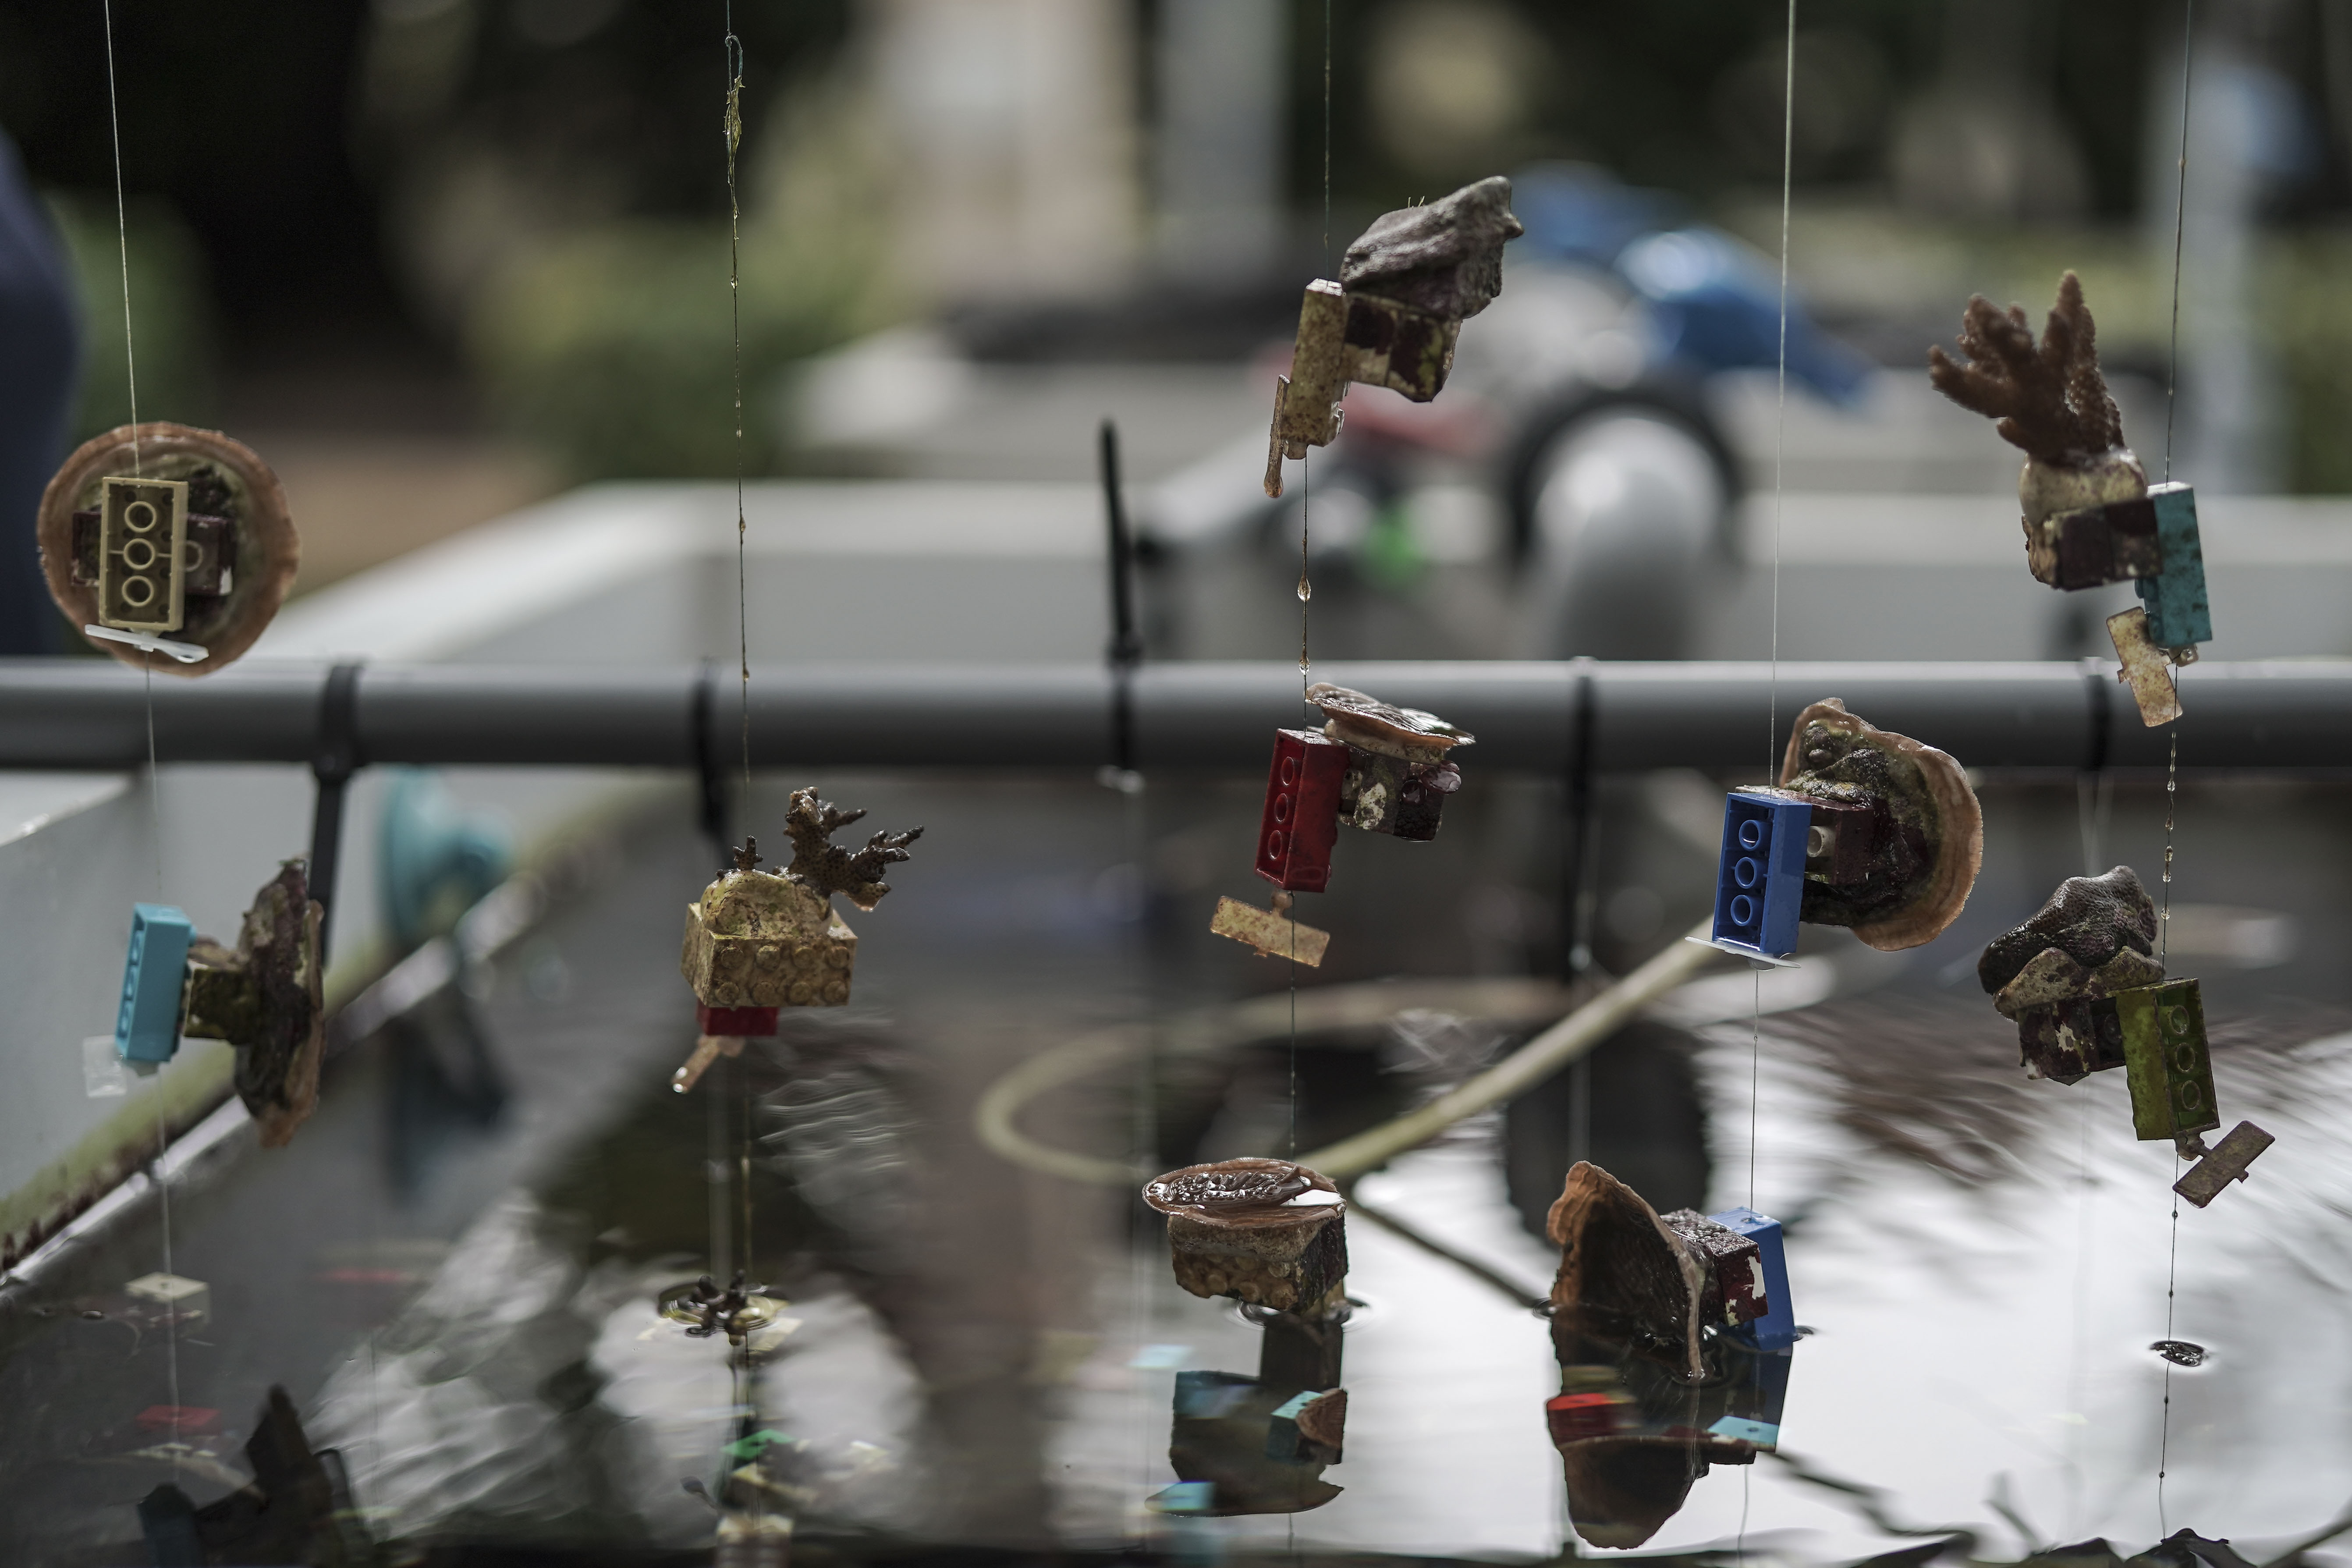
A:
[1445,257]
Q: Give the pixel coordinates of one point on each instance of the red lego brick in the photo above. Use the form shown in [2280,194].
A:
[1578,1416]
[1301,821]
[745,1022]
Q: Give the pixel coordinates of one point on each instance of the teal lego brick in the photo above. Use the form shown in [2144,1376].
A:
[2178,614]
[154,971]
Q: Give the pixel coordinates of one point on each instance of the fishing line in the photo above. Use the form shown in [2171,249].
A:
[2179,214]
[2172,760]
[1326,129]
[1772,683]
[147,673]
[2172,1256]
[1779,474]
[734,129]
[741,1378]
[1305,598]
[121,234]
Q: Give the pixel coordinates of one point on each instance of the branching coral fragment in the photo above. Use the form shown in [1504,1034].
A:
[819,863]
[2050,399]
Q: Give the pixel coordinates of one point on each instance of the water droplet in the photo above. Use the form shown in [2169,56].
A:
[1305,589]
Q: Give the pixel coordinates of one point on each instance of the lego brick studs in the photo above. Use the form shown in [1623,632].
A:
[266,996]
[757,942]
[170,547]
[2082,982]
[1372,766]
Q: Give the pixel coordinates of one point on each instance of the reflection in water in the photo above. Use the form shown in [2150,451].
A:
[1272,1235]
[296,1509]
[1675,1336]
[1633,1435]
[446,1085]
[1259,1444]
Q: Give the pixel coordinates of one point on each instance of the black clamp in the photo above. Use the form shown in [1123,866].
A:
[1126,651]
[334,757]
[711,803]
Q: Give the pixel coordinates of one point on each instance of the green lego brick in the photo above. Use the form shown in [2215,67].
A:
[2165,1059]
[2178,614]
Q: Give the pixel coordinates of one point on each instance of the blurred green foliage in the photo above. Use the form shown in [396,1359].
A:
[612,346]
[2308,312]
[1866,259]
[614,349]
[172,314]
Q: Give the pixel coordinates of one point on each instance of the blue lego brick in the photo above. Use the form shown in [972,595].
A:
[2178,614]
[1763,1434]
[154,971]
[1211,1394]
[1760,883]
[1776,1329]
[1284,1440]
[1184,1497]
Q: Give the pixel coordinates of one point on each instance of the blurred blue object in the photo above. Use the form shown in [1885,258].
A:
[155,971]
[40,353]
[436,861]
[1714,302]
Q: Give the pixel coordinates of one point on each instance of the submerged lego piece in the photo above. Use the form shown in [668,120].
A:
[1309,1428]
[1265,1231]
[1272,931]
[1392,321]
[1633,1435]
[1184,1497]
[1580,1417]
[181,1302]
[2055,975]
[1867,829]
[2225,1162]
[159,529]
[764,939]
[1250,1446]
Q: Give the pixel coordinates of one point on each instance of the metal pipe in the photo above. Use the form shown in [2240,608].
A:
[2287,716]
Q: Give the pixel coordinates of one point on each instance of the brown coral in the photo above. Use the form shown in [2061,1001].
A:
[818,864]
[2049,399]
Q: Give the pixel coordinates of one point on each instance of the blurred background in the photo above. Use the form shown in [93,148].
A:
[459,270]
[438,257]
